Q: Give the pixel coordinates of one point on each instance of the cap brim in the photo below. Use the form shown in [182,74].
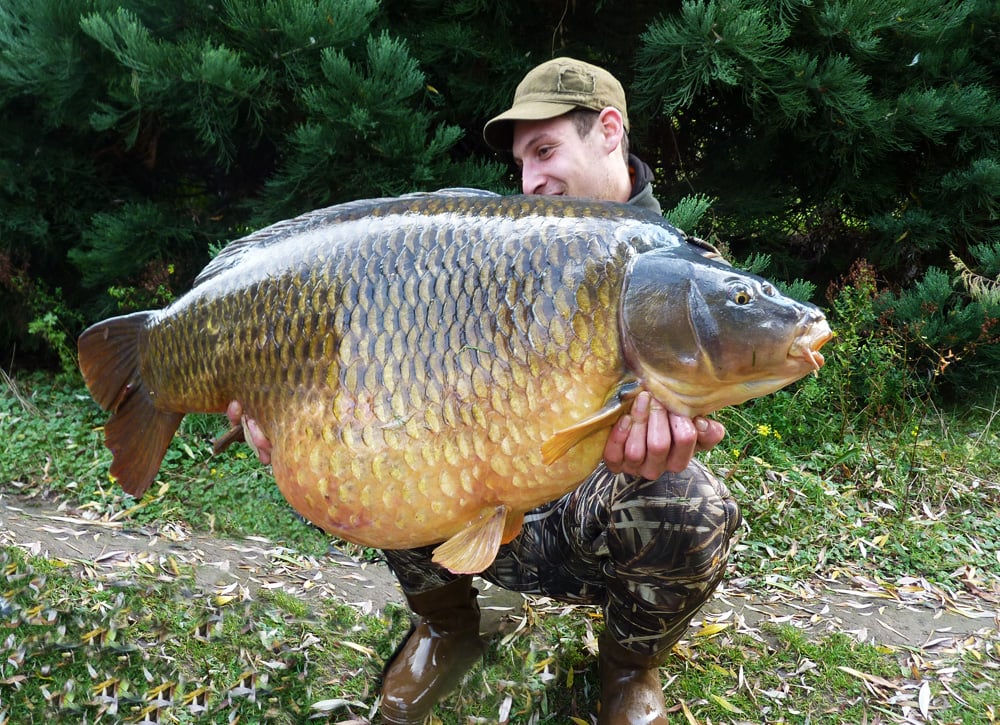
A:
[499,130]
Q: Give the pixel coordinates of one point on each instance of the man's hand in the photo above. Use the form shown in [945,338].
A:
[252,433]
[650,440]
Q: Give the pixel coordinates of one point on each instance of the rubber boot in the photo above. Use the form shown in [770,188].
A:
[631,693]
[440,649]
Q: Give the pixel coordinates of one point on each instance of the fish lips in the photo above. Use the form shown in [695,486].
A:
[814,333]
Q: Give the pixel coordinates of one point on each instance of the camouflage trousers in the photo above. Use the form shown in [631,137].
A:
[649,552]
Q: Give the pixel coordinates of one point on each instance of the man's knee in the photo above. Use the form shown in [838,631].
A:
[669,545]
[681,522]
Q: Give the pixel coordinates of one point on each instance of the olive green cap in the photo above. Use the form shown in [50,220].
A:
[552,89]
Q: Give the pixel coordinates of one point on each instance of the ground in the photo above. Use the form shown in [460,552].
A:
[911,614]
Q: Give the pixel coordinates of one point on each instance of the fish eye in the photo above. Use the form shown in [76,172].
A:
[740,294]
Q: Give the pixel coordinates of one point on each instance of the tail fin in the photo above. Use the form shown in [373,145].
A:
[138,433]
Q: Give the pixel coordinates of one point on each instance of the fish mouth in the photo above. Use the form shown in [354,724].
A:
[806,346]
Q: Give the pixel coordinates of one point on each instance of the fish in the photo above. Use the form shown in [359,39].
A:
[430,367]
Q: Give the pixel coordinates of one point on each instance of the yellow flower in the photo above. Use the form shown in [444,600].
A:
[763,430]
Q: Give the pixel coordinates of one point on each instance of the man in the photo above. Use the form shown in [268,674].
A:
[646,536]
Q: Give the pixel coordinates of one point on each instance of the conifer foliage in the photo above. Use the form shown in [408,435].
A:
[832,132]
[140,133]
[836,129]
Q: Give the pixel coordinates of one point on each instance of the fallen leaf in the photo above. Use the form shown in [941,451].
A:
[687,714]
[334,704]
[874,679]
[924,699]
[710,630]
[726,705]
[358,647]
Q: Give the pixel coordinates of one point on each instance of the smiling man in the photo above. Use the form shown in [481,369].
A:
[568,132]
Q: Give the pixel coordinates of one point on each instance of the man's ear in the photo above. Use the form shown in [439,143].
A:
[612,128]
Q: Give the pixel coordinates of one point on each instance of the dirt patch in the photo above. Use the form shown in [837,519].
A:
[909,614]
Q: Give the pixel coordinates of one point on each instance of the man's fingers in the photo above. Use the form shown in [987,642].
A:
[635,446]
[246,429]
[650,440]
[256,439]
[614,449]
[657,443]
[684,439]
[710,433]
[234,412]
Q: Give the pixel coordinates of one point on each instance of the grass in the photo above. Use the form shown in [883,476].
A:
[142,649]
[885,506]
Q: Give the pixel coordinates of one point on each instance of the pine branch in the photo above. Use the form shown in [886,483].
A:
[982,289]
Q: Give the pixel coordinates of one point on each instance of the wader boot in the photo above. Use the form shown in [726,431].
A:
[440,649]
[631,692]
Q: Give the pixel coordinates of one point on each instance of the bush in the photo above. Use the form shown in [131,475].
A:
[951,323]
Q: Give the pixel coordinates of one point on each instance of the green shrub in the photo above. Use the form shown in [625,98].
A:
[951,323]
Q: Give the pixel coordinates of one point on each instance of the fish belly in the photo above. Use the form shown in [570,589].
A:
[419,478]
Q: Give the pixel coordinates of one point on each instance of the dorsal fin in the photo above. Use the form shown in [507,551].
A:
[236,251]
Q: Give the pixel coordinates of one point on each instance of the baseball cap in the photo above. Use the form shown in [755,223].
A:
[552,89]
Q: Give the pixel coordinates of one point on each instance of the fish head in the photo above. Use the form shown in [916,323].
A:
[701,335]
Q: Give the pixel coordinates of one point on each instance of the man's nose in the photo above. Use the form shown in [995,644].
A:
[532,181]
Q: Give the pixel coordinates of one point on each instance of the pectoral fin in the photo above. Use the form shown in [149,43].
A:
[475,547]
[617,404]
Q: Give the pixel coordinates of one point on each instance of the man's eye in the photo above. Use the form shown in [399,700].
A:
[544,152]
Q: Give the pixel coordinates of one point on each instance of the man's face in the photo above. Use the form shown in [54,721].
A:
[555,160]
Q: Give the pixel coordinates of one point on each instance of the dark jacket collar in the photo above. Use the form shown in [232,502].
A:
[642,185]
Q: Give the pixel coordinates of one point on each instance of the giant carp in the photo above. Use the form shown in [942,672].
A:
[422,365]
